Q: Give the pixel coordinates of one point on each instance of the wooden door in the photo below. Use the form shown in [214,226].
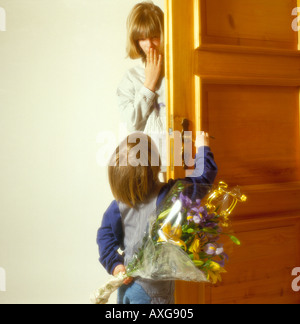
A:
[233,69]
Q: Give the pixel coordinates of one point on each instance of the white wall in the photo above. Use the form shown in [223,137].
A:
[60,64]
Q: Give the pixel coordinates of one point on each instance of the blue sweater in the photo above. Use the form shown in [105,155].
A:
[110,236]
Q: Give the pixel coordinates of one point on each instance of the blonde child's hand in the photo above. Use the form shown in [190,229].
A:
[202,140]
[153,69]
[121,268]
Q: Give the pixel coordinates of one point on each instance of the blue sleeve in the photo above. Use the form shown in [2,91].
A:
[205,172]
[206,168]
[110,238]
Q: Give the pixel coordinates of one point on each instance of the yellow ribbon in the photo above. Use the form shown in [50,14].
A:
[222,190]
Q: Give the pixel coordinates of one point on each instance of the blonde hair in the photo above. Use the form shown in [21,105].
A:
[134,169]
[146,20]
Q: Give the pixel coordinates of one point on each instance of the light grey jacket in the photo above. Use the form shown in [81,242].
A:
[135,222]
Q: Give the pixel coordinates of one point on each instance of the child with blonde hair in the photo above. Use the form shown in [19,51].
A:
[134,180]
[141,93]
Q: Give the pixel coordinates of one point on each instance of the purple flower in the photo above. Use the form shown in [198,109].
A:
[224,258]
[197,219]
[213,249]
[186,201]
[195,212]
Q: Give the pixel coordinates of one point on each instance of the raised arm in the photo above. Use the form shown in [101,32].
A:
[204,174]
[206,168]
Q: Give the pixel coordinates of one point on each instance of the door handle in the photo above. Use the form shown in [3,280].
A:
[187,140]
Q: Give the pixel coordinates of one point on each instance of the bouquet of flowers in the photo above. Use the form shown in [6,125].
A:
[184,240]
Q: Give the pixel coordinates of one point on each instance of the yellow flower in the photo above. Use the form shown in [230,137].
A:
[195,248]
[173,234]
[214,272]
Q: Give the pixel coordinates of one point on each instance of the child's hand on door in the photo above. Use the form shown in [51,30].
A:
[202,140]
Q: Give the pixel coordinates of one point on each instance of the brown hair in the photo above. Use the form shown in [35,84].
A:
[133,169]
[145,21]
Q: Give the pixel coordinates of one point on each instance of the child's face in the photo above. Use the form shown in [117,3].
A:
[147,43]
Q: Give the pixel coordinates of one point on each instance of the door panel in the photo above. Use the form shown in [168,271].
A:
[256,130]
[233,69]
[262,275]
[249,23]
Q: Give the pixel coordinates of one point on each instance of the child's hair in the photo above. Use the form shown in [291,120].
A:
[134,169]
[146,20]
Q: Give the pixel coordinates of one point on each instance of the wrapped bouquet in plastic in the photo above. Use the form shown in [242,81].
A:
[185,238]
